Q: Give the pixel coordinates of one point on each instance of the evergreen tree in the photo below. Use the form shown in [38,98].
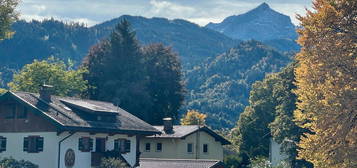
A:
[327,84]
[164,82]
[7,16]
[117,72]
[145,81]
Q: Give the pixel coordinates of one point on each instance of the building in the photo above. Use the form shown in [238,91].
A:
[179,163]
[58,132]
[276,156]
[183,142]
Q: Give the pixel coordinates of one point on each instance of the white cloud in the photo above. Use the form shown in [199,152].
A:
[199,11]
[169,9]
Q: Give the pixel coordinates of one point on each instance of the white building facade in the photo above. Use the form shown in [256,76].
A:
[64,132]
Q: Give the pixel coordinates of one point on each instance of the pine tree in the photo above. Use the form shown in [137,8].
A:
[117,72]
[327,84]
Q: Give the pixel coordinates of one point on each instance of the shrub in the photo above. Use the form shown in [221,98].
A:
[12,163]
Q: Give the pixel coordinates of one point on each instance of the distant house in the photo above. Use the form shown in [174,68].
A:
[276,156]
[183,142]
[59,132]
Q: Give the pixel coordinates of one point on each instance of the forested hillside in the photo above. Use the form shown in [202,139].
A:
[217,84]
[220,87]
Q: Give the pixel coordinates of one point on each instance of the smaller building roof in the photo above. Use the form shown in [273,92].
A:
[182,131]
[179,163]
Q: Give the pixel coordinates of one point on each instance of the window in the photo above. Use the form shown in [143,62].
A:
[85,144]
[158,147]
[122,145]
[189,147]
[147,147]
[205,148]
[22,113]
[10,110]
[2,144]
[33,144]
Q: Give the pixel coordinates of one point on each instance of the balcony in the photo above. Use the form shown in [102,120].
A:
[96,157]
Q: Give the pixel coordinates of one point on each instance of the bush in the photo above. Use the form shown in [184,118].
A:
[12,163]
[112,162]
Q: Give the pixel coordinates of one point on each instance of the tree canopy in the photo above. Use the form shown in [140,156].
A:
[66,81]
[7,16]
[145,81]
[193,117]
[327,84]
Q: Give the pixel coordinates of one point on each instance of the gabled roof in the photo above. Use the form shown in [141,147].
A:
[179,163]
[182,131]
[64,113]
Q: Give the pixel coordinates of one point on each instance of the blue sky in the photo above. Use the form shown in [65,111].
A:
[198,11]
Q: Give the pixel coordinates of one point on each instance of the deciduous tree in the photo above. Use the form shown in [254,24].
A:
[327,84]
[193,117]
[66,81]
[7,16]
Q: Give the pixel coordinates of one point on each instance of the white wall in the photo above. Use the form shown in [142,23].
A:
[177,148]
[83,159]
[48,158]
[276,156]
[45,159]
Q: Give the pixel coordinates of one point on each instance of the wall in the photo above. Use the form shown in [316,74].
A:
[177,148]
[83,159]
[45,159]
[275,155]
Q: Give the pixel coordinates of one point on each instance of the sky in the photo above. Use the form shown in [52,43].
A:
[201,12]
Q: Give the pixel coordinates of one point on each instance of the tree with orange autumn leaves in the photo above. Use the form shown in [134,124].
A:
[327,84]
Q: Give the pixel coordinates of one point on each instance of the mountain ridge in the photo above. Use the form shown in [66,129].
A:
[261,23]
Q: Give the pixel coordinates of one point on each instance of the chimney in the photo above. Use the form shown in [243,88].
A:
[45,92]
[168,125]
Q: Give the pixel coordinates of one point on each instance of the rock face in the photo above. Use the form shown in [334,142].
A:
[261,23]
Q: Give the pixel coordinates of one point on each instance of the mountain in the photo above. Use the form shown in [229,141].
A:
[192,42]
[220,86]
[261,23]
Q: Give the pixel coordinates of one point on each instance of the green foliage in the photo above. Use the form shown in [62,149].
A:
[165,86]
[145,82]
[234,161]
[7,16]
[66,81]
[220,87]
[112,163]
[270,114]
[12,163]
[262,162]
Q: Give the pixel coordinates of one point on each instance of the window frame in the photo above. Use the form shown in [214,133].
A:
[159,145]
[85,144]
[33,144]
[122,145]
[147,147]
[205,146]
[189,147]
[2,142]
